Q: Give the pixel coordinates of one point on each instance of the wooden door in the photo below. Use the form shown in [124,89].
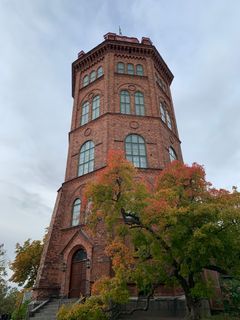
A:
[78,274]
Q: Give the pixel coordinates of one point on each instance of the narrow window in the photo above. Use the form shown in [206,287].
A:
[95,107]
[86,158]
[120,67]
[85,81]
[99,72]
[135,150]
[85,113]
[162,112]
[172,154]
[139,70]
[92,76]
[139,103]
[125,102]
[76,212]
[130,68]
[169,121]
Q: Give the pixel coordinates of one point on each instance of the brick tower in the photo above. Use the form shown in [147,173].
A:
[122,101]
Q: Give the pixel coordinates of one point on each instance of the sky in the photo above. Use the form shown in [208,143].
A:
[200,42]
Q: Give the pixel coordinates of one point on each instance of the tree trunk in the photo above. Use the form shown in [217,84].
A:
[193,308]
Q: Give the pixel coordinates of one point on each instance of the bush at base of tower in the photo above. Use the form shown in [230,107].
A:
[92,309]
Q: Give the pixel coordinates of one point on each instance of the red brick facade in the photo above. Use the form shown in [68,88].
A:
[107,132]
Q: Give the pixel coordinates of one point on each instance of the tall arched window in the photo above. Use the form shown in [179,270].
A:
[139,103]
[162,112]
[92,76]
[86,158]
[85,81]
[130,68]
[169,121]
[139,70]
[85,113]
[76,212]
[172,154]
[96,107]
[99,71]
[120,67]
[125,102]
[135,150]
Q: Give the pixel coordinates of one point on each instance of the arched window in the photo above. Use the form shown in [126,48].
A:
[139,103]
[172,154]
[139,70]
[92,76]
[85,81]
[85,113]
[86,158]
[120,67]
[76,212]
[125,102]
[162,112]
[99,72]
[135,150]
[130,68]
[169,121]
[79,255]
[95,107]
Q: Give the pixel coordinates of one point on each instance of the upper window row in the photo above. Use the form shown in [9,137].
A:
[92,77]
[161,83]
[129,68]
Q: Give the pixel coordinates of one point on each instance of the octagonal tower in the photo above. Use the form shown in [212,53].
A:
[122,101]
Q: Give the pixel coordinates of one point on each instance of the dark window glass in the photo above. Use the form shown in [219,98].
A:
[79,255]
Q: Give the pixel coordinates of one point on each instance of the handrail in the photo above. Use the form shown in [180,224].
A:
[34,310]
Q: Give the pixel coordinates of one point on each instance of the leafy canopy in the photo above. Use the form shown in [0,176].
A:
[26,262]
[167,234]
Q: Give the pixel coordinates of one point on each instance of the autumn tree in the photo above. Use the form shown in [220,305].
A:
[26,262]
[167,234]
[7,294]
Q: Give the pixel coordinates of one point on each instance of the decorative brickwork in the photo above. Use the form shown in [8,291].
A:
[108,131]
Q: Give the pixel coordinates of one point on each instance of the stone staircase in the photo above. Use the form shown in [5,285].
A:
[50,309]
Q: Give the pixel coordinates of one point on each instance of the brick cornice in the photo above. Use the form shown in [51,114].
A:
[121,47]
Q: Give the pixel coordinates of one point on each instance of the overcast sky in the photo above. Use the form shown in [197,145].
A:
[200,42]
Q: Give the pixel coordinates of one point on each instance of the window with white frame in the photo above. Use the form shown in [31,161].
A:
[86,158]
[85,113]
[135,150]
[139,70]
[92,76]
[172,154]
[85,80]
[130,68]
[95,107]
[99,71]
[139,103]
[76,212]
[125,102]
[120,67]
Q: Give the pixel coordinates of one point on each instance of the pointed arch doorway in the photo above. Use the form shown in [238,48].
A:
[78,283]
